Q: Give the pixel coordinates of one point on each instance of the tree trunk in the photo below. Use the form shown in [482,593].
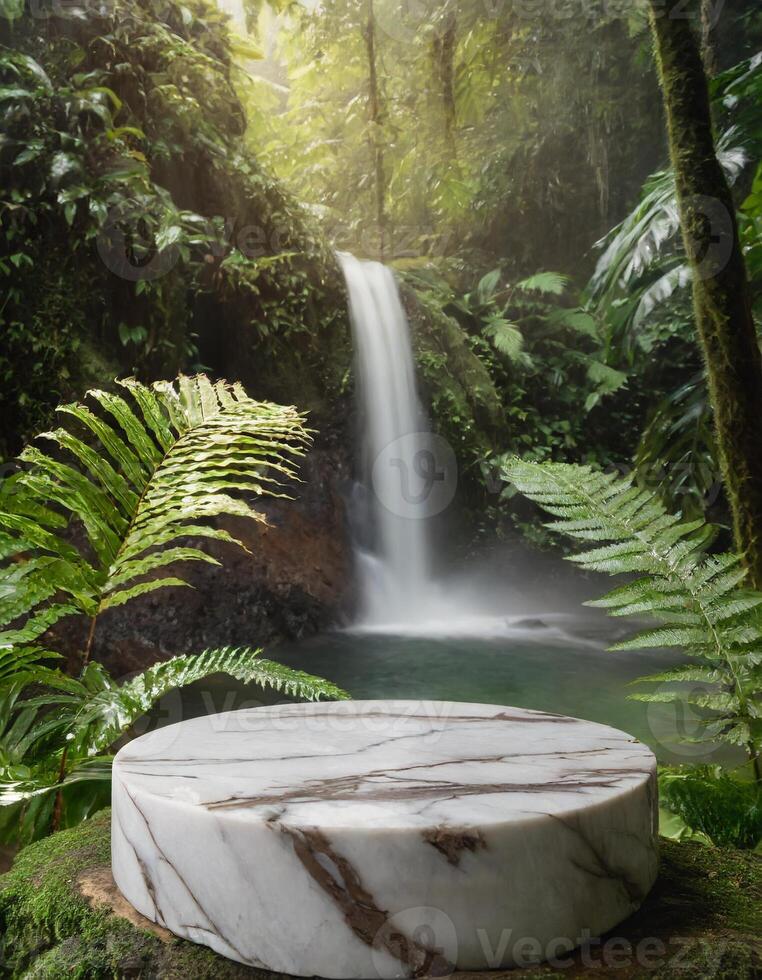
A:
[721,293]
[708,46]
[444,45]
[375,119]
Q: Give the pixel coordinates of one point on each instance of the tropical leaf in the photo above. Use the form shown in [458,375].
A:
[97,711]
[53,743]
[578,320]
[151,468]
[102,521]
[485,291]
[642,269]
[508,341]
[605,378]
[713,803]
[699,600]
[549,283]
[678,444]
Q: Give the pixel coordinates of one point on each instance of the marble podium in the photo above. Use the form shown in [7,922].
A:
[380,839]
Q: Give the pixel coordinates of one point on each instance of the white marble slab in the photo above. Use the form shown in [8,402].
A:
[385,838]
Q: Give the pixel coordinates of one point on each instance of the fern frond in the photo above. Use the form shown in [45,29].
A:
[151,467]
[242,663]
[55,741]
[605,507]
[699,600]
[683,675]
[100,521]
[109,710]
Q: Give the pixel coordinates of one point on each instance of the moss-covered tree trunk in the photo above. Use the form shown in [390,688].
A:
[708,40]
[720,287]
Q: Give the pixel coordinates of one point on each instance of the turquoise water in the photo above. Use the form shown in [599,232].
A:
[546,669]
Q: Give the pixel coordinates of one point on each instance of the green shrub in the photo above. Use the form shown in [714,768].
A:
[727,809]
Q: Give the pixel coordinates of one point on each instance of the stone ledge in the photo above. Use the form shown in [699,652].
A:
[61,916]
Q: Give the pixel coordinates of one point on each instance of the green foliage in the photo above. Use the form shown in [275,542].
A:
[545,356]
[130,216]
[750,223]
[495,125]
[483,306]
[699,600]
[73,155]
[463,399]
[552,283]
[677,455]
[103,521]
[714,803]
[168,458]
[643,263]
[57,742]
[641,292]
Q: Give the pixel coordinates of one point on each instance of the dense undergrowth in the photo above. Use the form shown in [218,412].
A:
[137,234]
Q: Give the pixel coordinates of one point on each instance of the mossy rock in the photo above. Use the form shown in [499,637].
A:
[61,916]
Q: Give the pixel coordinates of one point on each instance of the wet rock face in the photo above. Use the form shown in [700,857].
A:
[294,580]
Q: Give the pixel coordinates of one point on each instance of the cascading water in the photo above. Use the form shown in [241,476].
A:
[395,567]
[409,476]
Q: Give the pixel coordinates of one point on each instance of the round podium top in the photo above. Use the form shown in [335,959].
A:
[385,764]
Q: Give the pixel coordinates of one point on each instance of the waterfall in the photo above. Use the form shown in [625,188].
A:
[408,476]
[399,466]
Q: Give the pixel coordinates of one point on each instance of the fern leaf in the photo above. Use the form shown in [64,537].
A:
[667,637]
[682,675]
[700,600]
[121,596]
[508,341]
[103,718]
[155,466]
[578,320]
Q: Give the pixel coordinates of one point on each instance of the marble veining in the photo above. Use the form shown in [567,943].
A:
[385,838]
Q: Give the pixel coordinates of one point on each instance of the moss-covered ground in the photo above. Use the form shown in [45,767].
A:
[60,916]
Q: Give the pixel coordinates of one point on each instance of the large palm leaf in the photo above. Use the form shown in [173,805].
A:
[643,264]
[146,471]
